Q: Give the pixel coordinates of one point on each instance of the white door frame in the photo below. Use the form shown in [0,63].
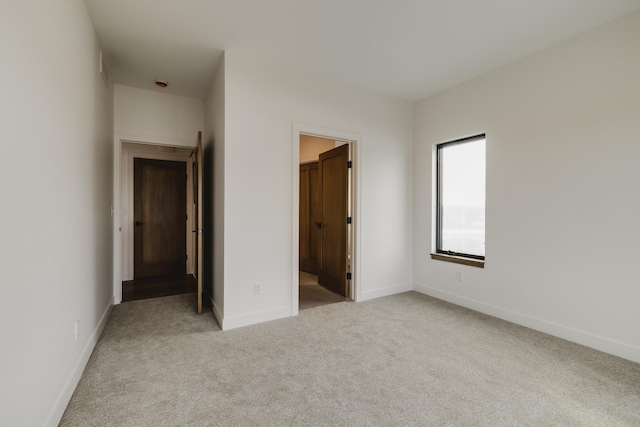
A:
[356,185]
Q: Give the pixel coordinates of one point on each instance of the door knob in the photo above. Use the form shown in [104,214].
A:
[319,224]
[139,223]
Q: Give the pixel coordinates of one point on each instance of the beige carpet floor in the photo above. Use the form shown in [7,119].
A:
[312,294]
[403,360]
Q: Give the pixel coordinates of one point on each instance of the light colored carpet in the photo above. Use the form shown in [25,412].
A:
[397,361]
[312,294]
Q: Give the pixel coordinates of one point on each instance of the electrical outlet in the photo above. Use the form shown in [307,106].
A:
[257,288]
[459,276]
[77,329]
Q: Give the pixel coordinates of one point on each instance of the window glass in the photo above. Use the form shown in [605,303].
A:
[461,197]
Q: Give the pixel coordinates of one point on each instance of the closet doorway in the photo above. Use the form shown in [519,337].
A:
[324,221]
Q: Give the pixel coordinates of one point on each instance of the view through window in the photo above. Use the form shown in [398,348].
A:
[460,218]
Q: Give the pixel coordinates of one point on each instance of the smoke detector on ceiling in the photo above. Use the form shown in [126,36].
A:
[161,83]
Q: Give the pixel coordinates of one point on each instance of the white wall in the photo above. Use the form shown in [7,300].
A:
[214,191]
[55,181]
[160,118]
[262,104]
[562,189]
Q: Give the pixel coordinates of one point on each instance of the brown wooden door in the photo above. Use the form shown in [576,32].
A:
[197,199]
[333,176]
[309,217]
[160,204]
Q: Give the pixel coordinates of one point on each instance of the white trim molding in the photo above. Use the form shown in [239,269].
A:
[606,345]
[70,386]
[253,318]
[155,139]
[385,292]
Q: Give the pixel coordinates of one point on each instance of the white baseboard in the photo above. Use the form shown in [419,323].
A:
[385,292]
[254,318]
[606,345]
[70,386]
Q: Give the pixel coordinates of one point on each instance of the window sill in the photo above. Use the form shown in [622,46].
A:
[459,260]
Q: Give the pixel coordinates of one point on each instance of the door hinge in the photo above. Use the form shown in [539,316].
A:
[349,164]
[186,257]
[187,217]
[348,220]
[348,276]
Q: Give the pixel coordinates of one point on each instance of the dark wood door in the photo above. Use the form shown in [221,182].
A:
[160,204]
[197,199]
[309,217]
[333,176]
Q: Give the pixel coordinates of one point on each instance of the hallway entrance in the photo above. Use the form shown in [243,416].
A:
[160,194]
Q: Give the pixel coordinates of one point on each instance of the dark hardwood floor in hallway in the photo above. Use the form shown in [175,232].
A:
[153,287]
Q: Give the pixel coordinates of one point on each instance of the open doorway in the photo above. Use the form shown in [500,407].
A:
[159,195]
[325,213]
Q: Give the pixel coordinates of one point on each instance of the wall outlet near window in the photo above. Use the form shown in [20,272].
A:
[459,276]
[257,288]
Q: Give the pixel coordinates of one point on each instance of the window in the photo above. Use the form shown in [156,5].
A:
[460,199]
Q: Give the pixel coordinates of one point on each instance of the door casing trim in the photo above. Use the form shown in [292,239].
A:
[356,155]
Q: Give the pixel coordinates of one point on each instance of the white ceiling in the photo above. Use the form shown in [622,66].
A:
[407,49]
